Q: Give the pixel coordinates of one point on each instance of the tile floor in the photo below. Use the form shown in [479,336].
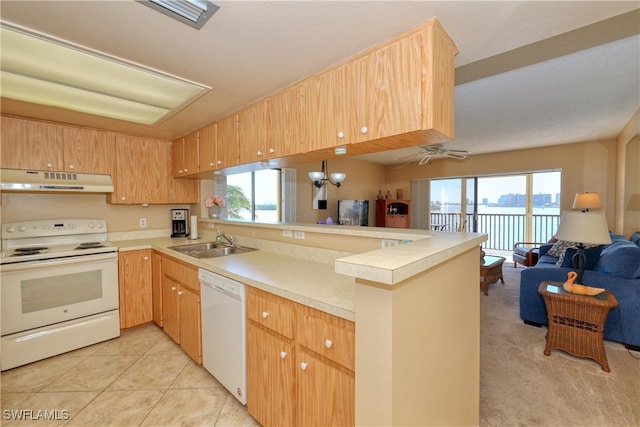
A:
[141,378]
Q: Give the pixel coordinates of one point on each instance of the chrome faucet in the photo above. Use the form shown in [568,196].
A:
[228,238]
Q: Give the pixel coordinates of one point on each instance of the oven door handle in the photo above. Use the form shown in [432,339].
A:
[83,259]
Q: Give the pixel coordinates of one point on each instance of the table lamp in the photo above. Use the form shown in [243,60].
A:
[583,228]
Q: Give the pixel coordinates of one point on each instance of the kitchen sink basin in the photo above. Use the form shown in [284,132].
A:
[210,249]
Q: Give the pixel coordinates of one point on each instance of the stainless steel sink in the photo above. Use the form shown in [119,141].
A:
[210,249]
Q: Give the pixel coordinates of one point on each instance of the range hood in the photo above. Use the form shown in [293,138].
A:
[61,182]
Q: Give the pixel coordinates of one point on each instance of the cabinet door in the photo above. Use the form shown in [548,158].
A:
[170,308]
[190,323]
[156,286]
[270,378]
[207,147]
[88,150]
[252,132]
[284,123]
[131,183]
[390,95]
[185,156]
[326,394]
[30,144]
[227,142]
[323,110]
[135,288]
[177,157]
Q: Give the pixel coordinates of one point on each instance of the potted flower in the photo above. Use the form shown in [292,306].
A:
[214,203]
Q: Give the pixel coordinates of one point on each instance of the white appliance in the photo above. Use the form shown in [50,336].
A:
[59,288]
[223,331]
[50,181]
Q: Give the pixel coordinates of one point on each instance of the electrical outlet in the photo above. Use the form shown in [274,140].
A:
[143,222]
[299,235]
[387,243]
[286,233]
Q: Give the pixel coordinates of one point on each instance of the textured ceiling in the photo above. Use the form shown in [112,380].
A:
[528,73]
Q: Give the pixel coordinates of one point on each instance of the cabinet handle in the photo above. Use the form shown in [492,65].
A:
[259,153]
[123,198]
[49,165]
[219,162]
[340,134]
[173,288]
[265,314]
[71,167]
[180,293]
[186,170]
[211,164]
[283,354]
[364,129]
[145,258]
[303,366]
[328,343]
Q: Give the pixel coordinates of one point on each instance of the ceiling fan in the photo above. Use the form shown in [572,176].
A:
[430,151]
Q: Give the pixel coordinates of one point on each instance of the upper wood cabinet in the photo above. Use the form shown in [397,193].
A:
[186,156]
[227,150]
[30,144]
[207,147]
[284,122]
[252,133]
[144,174]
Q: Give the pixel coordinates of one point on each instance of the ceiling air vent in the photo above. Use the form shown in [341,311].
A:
[191,12]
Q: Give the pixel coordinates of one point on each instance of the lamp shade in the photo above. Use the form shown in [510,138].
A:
[583,227]
[586,201]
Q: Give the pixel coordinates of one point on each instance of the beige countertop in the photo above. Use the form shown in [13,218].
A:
[321,278]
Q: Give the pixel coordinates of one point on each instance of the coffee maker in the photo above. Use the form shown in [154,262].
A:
[179,223]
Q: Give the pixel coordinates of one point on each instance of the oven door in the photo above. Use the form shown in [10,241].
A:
[42,293]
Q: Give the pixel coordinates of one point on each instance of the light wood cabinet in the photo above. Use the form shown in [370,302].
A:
[252,133]
[156,285]
[284,122]
[314,386]
[143,174]
[30,144]
[227,150]
[135,282]
[207,147]
[185,156]
[393,213]
[181,306]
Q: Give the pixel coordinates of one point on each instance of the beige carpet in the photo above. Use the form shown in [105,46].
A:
[520,386]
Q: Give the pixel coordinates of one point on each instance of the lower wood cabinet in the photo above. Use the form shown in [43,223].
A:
[135,274]
[300,364]
[181,306]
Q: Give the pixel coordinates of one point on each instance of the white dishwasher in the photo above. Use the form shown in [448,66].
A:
[223,331]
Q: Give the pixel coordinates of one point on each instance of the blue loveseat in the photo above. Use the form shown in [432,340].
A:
[615,267]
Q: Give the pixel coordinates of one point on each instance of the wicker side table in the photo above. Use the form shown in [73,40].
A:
[576,322]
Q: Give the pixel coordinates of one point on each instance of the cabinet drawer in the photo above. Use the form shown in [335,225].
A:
[331,338]
[181,273]
[270,311]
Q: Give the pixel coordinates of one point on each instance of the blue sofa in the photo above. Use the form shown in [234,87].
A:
[615,267]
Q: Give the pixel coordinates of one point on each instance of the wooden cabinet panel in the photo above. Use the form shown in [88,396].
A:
[156,285]
[252,131]
[190,323]
[393,213]
[335,342]
[185,156]
[284,122]
[207,147]
[326,395]
[30,144]
[227,142]
[134,268]
[88,150]
[271,312]
[270,378]
[181,306]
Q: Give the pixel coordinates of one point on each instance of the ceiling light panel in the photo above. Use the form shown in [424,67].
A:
[194,13]
[68,77]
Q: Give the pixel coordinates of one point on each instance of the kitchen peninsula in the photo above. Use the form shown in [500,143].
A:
[415,305]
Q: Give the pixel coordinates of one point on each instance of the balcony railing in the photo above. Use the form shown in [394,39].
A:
[503,230]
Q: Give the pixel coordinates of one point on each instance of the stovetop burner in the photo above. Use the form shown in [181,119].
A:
[32,249]
[90,245]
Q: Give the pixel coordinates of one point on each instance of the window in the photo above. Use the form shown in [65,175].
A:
[254,196]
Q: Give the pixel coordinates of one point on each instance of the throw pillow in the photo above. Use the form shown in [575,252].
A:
[592,254]
[559,247]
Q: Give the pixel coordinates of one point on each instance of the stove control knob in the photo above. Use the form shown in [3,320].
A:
[22,228]
[11,229]
[100,225]
[91,224]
